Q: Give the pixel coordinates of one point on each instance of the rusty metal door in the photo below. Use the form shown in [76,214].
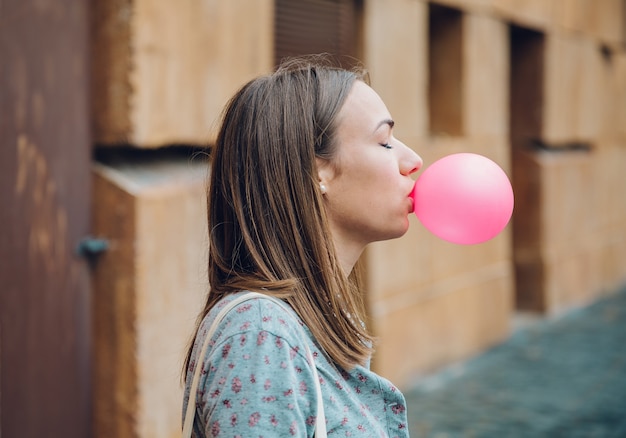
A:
[44,212]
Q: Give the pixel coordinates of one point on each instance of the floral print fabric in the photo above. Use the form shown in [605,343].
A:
[257,382]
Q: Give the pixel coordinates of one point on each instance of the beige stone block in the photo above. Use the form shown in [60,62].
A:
[567,187]
[148,290]
[395,53]
[571,280]
[569,227]
[606,253]
[563,188]
[536,14]
[608,100]
[619,183]
[572,15]
[561,63]
[395,266]
[440,146]
[497,149]
[578,91]
[163,71]
[602,20]
[619,94]
[592,97]
[611,213]
[611,256]
[607,205]
[486,77]
[447,325]
[608,22]
[449,260]
[558,281]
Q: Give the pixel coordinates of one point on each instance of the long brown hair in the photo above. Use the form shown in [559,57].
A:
[268,230]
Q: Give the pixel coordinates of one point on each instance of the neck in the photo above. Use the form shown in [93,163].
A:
[348,254]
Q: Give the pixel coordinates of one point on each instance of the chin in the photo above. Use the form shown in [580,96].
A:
[404,230]
[400,231]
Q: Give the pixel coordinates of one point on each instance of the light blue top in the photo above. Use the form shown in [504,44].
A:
[256,382]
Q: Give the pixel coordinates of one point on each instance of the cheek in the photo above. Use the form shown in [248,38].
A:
[367,179]
[381,180]
[378,196]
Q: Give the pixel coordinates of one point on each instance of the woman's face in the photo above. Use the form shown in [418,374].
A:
[367,183]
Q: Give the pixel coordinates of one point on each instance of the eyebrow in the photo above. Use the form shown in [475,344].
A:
[385,122]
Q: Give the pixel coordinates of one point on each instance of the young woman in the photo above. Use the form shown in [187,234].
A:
[305,173]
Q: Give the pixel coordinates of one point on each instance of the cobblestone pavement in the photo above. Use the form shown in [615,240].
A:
[558,377]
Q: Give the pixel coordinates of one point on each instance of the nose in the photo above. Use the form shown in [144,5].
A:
[410,162]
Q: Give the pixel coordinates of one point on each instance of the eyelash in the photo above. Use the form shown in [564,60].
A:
[386,145]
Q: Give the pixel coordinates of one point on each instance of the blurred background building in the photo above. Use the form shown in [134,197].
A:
[108,112]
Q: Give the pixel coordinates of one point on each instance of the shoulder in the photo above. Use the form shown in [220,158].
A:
[259,335]
[258,311]
[254,373]
[258,315]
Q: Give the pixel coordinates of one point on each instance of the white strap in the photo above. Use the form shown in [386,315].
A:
[320,422]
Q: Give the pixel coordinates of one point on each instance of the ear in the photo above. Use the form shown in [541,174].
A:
[325,172]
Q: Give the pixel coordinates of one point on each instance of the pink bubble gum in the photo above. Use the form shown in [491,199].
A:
[463,198]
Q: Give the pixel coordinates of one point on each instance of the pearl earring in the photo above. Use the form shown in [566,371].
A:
[323,188]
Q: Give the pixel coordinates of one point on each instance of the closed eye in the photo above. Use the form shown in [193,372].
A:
[386,146]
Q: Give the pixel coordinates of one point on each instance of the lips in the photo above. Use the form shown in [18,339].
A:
[411,197]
